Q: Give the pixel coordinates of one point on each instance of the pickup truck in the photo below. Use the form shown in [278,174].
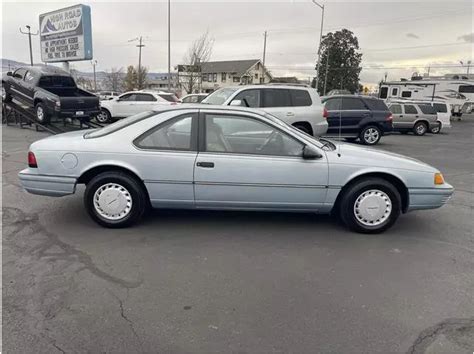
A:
[51,92]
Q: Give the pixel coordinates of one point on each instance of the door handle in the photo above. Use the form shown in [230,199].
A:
[401,116]
[290,114]
[205,164]
[416,116]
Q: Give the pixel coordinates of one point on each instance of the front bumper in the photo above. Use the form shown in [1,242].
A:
[52,186]
[429,198]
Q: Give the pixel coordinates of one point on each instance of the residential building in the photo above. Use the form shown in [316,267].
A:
[159,81]
[217,74]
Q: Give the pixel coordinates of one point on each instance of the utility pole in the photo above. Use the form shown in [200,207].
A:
[169,45]
[94,63]
[468,64]
[140,45]
[28,32]
[262,79]
[320,41]
[326,74]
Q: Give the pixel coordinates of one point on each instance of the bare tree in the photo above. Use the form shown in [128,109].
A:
[199,52]
[114,79]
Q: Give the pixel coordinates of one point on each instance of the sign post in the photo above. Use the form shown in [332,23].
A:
[66,35]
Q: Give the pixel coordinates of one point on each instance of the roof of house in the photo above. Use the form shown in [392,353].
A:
[239,67]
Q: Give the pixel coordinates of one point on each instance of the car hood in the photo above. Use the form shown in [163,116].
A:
[366,156]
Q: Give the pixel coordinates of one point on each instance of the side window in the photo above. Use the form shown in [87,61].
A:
[352,104]
[406,94]
[245,135]
[383,92]
[252,97]
[143,97]
[410,109]
[394,91]
[29,77]
[333,104]
[172,135]
[276,98]
[396,109]
[128,97]
[440,107]
[300,98]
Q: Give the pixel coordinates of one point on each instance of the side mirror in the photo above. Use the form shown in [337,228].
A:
[236,103]
[9,73]
[311,153]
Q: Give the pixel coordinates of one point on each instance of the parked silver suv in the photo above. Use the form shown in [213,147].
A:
[297,105]
[418,118]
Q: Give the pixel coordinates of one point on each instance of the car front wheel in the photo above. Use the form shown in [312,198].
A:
[370,206]
[42,115]
[103,117]
[370,135]
[115,199]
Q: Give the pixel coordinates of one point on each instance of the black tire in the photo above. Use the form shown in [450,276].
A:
[351,140]
[135,191]
[349,199]
[420,128]
[104,116]
[6,96]
[41,114]
[303,128]
[370,135]
[437,129]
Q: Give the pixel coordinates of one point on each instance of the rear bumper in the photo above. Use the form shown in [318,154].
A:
[320,128]
[429,198]
[73,113]
[52,186]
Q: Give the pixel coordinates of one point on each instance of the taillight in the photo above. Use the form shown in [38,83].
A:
[32,160]
[325,113]
[389,118]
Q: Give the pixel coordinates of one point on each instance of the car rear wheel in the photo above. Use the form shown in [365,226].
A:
[115,199]
[420,128]
[103,117]
[42,115]
[370,206]
[370,135]
[437,129]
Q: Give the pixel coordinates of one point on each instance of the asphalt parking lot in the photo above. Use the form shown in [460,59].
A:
[221,282]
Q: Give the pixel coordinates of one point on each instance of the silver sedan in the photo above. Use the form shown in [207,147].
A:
[206,157]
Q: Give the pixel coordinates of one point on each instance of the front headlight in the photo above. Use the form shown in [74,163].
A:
[438,178]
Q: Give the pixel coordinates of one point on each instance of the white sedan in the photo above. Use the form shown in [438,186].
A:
[133,102]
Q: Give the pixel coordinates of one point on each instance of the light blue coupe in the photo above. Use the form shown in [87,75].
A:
[215,157]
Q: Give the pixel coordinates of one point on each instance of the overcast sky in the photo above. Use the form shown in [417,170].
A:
[401,37]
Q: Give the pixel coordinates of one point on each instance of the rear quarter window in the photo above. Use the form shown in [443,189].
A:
[440,107]
[300,98]
[376,105]
[427,109]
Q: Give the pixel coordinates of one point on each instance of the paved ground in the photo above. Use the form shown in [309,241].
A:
[220,282]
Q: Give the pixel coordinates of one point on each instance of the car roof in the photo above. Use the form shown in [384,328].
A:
[270,86]
[350,96]
[46,70]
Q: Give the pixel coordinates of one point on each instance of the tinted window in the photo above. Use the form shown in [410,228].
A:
[276,98]
[241,135]
[406,93]
[427,109]
[169,98]
[128,97]
[466,88]
[190,99]
[352,104]
[56,81]
[172,135]
[376,105]
[394,91]
[440,107]
[300,98]
[383,92]
[252,97]
[19,74]
[396,109]
[220,96]
[333,104]
[409,109]
[145,97]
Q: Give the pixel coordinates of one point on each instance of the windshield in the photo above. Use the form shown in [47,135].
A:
[120,124]
[169,97]
[219,97]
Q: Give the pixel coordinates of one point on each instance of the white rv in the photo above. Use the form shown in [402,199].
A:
[456,90]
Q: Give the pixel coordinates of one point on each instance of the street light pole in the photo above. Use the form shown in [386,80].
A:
[169,45]
[320,41]
[94,63]
[28,32]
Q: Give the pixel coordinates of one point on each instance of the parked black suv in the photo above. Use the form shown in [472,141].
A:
[357,117]
[50,91]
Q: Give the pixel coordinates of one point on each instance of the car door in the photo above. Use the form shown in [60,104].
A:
[303,106]
[354,112]
[145,102]
[246,162]
[17,85]
[29,84]
[410,115]
[166,160]
[278,103]
[125,105]
[334,109]
[397,115]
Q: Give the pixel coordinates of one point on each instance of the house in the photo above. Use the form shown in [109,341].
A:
[217,74]
[159,81]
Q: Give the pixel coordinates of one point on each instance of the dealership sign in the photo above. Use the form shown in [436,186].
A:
[66,34]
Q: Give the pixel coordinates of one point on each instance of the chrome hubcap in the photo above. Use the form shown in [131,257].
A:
[39,113]
[112,201]
[372,207]
[371,135]
[420,129]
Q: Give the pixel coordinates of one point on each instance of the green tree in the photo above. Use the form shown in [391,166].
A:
[133,80]
[339,66]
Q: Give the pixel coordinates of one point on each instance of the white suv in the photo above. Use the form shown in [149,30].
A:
[133,102]
[297,105]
